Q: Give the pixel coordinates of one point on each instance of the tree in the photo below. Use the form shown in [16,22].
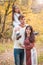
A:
[7,12]
[24,2]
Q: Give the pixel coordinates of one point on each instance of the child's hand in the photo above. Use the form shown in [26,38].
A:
[17,29]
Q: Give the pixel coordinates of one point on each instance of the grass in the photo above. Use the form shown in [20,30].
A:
[40,59]
[5,46]
[2,48]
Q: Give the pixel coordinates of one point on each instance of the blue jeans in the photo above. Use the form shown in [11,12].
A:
[19,56]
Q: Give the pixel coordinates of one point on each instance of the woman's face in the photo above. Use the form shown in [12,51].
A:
[17,9]
[28,31]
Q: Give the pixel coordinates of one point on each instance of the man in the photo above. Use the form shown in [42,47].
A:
[18,38]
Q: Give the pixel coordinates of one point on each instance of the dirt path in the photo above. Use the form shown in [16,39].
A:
[7,58]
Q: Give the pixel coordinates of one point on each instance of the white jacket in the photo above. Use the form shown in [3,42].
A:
[16,22]
[21,40]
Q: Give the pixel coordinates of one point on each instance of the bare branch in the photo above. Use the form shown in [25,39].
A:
[9,12]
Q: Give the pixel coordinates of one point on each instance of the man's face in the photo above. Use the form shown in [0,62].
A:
[22,21]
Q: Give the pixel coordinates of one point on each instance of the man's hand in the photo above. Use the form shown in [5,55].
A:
[22,46]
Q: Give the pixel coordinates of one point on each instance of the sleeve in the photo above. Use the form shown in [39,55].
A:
[16,19]
[13,35]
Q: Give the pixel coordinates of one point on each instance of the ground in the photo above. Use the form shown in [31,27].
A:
[7,58]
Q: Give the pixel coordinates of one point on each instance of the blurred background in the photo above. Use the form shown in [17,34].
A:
[33,12]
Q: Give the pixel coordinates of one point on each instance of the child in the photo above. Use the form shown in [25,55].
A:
[15,14]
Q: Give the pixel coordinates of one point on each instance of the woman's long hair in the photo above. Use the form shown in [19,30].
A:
[13,11]
[32,37]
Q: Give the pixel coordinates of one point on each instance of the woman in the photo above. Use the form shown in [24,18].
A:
[15,14]
[29,43]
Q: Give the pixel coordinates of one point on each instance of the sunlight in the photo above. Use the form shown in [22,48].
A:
[39,1]
[37,5]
